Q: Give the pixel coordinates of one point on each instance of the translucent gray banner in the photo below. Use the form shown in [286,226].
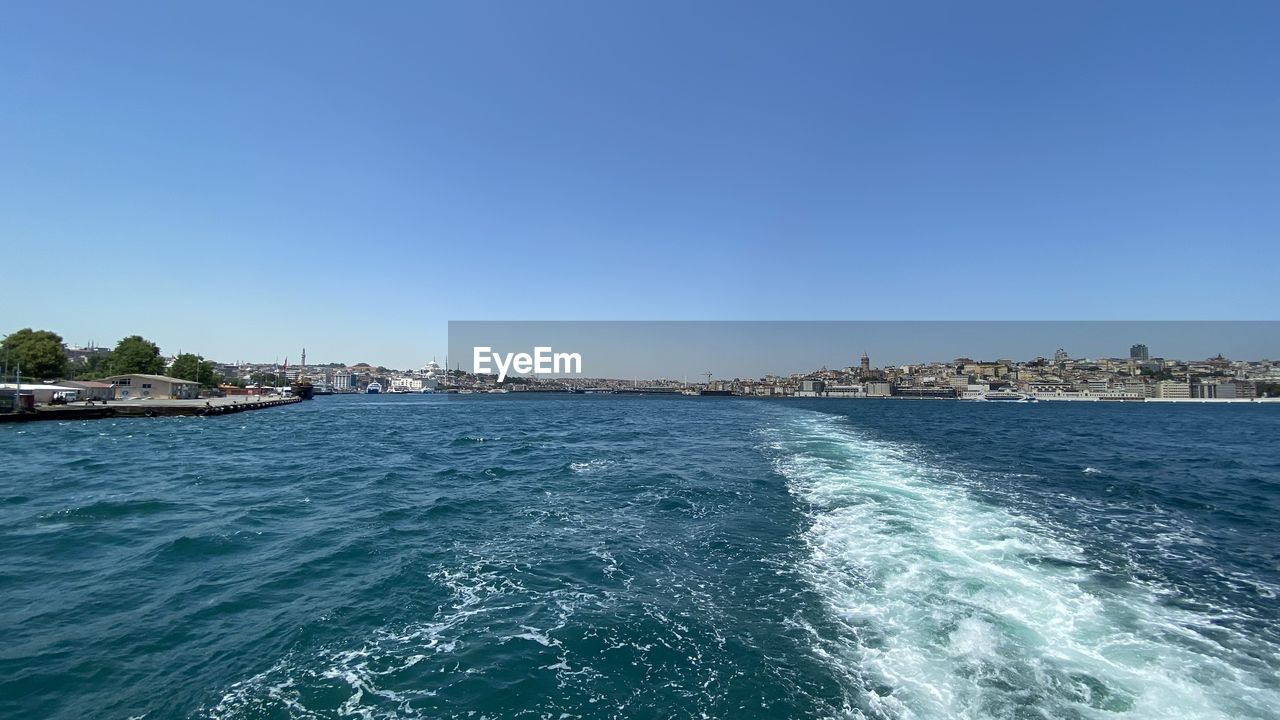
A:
[1124,358]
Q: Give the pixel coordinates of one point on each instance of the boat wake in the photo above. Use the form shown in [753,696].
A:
[945,606]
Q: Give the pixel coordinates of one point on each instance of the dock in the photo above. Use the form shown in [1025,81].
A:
[148,408]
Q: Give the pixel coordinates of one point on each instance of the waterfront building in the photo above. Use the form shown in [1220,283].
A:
[1245,389]
[1139,352]
[937,393]
[344,380]
[1177,389]
[152,386]
[879,389]
[812,387]
[406,383]
[91,390]
[40,393]
[1229,390]
[1212,390]
[1137,386]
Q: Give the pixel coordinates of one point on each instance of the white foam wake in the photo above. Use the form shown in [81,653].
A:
[950,607]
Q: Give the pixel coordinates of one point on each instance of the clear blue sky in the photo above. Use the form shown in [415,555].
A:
[243,179]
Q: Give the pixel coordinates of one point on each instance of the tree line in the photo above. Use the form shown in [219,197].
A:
[40,355]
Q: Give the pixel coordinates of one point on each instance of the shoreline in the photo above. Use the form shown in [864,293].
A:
[209,407]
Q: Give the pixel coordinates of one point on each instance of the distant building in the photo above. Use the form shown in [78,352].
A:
[1230,390]
[76,354]
[1137,386]
[1171,389]
[864,365]
[406,383]
[153,386]
[1139,352]
[879,389]
[91,390]
[1245,389]
[812,387]
[343,380]
[1207,391]
[926,392]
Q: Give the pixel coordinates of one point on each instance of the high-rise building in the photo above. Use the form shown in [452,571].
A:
[1139,352]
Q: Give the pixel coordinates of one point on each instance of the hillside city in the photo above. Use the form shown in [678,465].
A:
[1139,376]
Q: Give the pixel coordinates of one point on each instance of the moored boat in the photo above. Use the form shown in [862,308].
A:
[1004,396]
[302,388]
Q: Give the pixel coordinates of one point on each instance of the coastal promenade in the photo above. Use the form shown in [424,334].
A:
[149,408]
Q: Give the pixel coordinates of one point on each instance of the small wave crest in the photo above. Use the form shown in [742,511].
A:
[590,466]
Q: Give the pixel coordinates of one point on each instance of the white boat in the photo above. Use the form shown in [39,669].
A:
[374,388]
[1004,396]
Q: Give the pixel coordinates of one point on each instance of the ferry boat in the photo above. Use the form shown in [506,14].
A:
[302,388]
[374,388]
[1005,396]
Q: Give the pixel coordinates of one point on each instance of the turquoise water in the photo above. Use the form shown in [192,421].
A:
[644,557]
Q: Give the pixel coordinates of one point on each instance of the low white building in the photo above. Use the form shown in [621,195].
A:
[1171,389]
[405,382]
[129,387]
[40,391]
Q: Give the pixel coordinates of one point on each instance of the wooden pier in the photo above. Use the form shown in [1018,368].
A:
[205,407]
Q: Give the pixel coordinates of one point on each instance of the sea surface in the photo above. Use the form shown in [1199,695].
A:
[644,557]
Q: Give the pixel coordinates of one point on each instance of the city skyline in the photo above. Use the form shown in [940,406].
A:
[890,343]
[756,348]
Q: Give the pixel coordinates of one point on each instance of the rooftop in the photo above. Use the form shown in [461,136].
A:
[155,378]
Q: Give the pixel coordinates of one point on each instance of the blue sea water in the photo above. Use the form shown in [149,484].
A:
[644,557]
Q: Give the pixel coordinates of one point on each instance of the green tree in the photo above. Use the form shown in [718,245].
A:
[40,353]
[193,367]
[135,354]
[93,367]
